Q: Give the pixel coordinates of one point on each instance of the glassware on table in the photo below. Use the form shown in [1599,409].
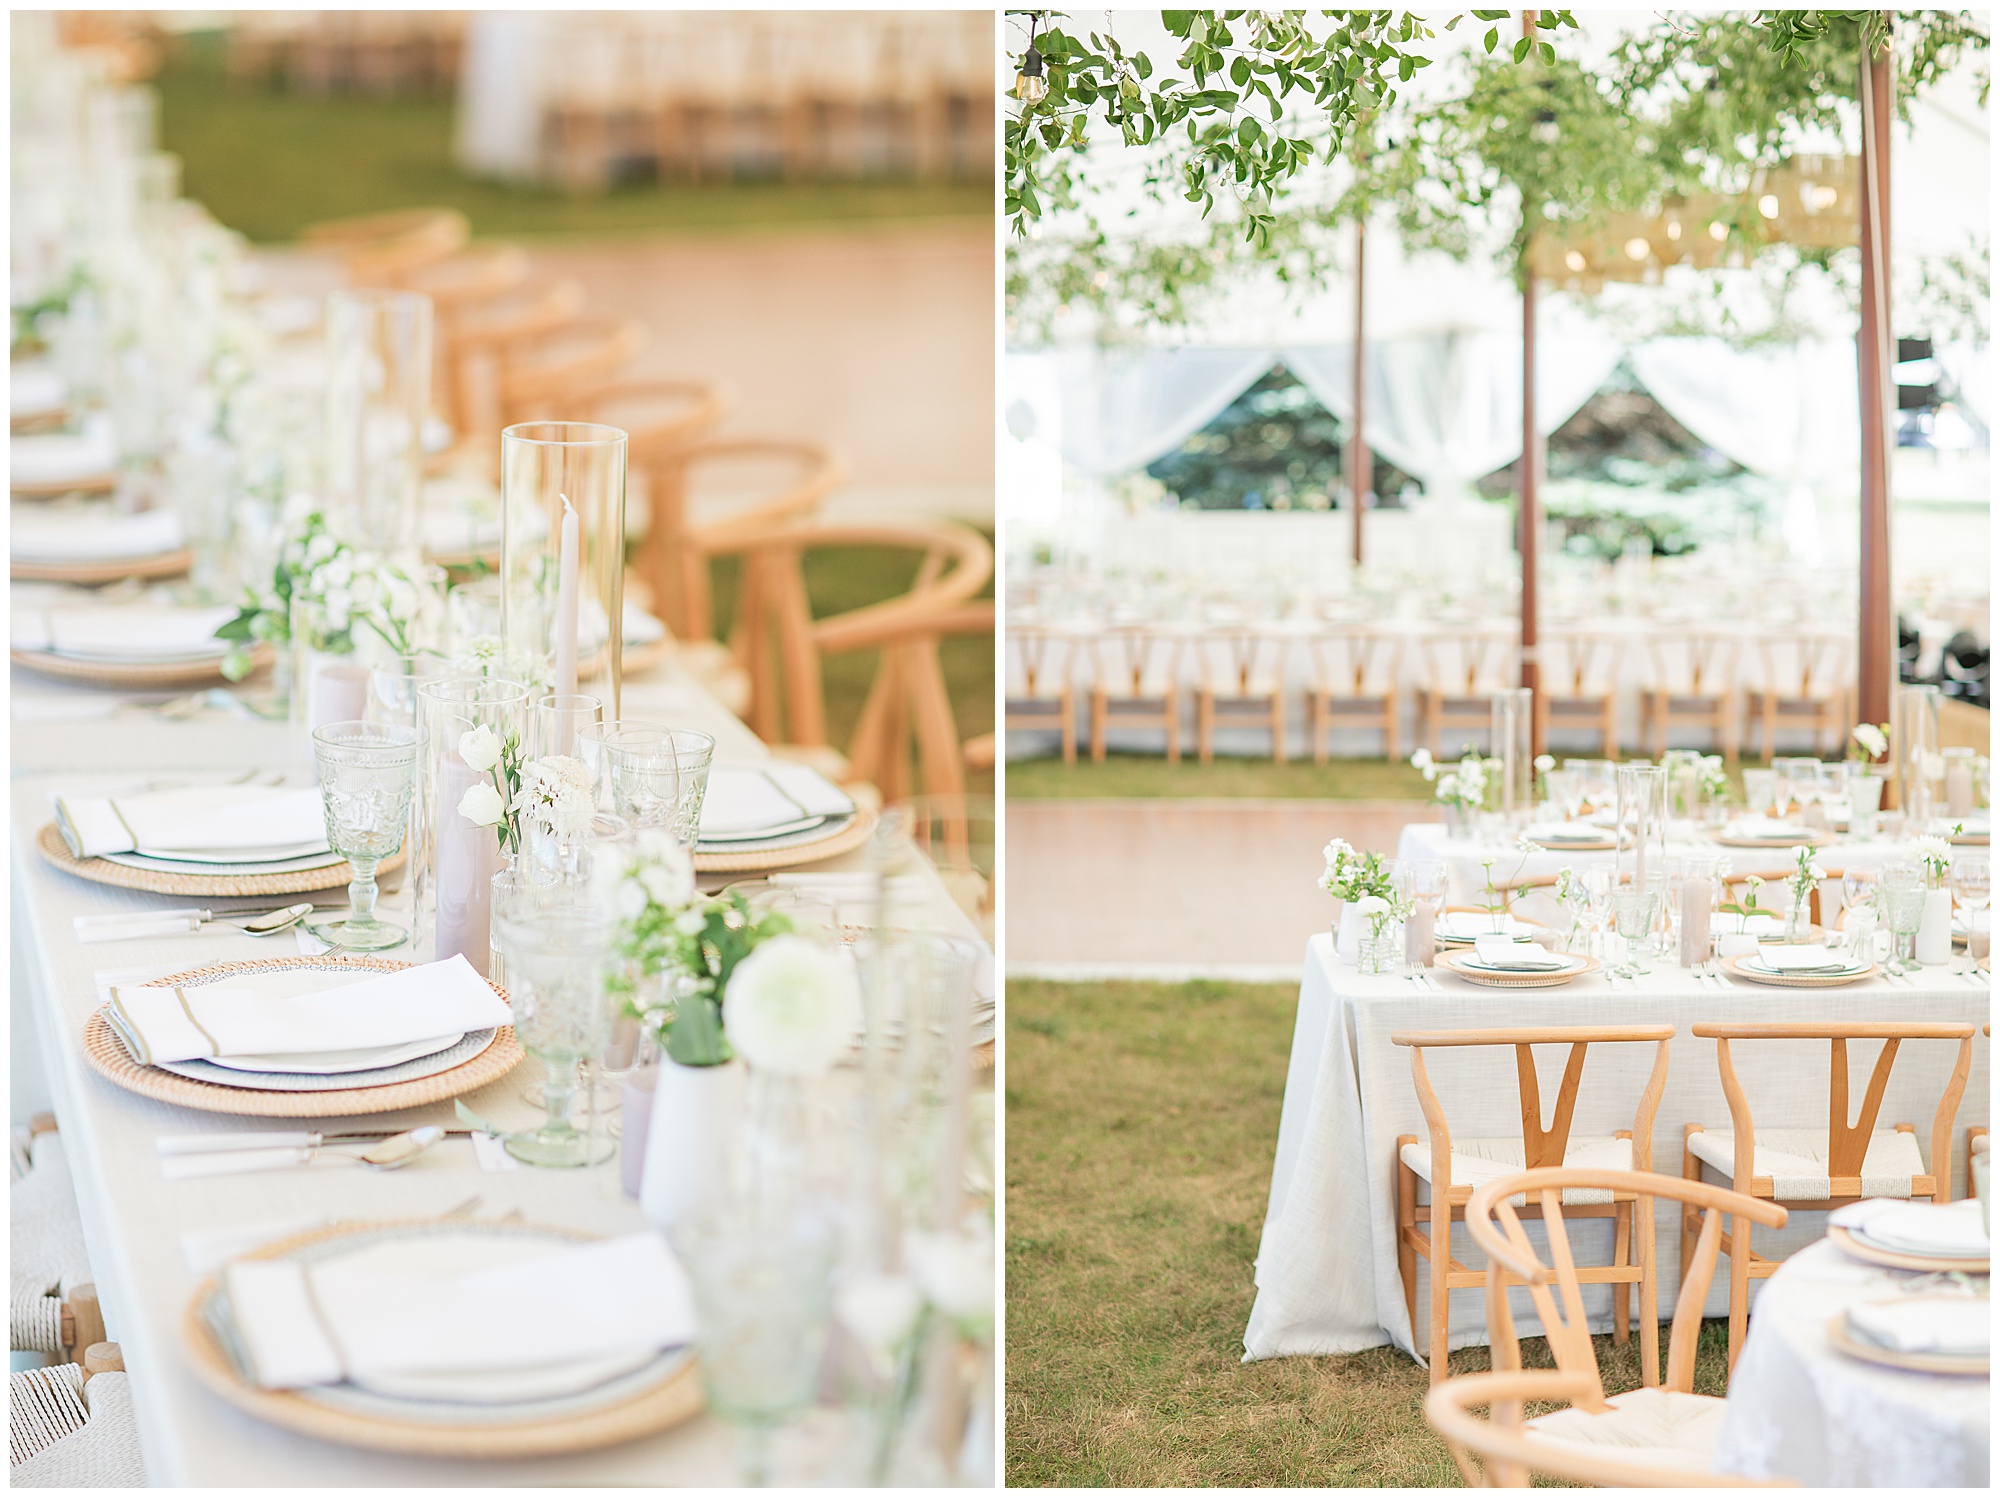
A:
[463,857]
[367,775]
[1914,740]
[1760,789]
[1564,788]
[1904,891]
[1959,779]
[659,777]
[1972,887]
[763,1296]
[1422,883]
[1598,883]
[545,466]
[1794,779]
[1636,907]
[1597,784]
[590,741]
[555,720]
[1684,781]
[1513,735]
[1641,857]
[378,383]
[557,945]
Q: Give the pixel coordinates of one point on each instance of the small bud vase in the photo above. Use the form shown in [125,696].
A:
[1934,933]
[1379,953]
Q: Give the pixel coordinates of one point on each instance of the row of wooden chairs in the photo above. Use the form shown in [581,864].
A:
[1798,1169]
[513,349]
[340,51]
[1137,679]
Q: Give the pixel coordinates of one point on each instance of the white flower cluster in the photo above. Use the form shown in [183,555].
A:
[1466,784]
[1871,739]
[1341,866]
[660,873]
[556,795]
[1806,873]
[1935,854]
[792,1007]
[334,588]
[482,804]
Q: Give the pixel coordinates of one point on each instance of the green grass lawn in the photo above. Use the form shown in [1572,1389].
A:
[268,162]
[1048,779]
[1141,1124]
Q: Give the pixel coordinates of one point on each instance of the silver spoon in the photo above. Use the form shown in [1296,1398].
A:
[397,1150]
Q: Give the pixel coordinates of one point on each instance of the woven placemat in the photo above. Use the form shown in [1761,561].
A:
[1735,968]
[1454,963]
[843,839]
[677,1397]
[139,674]
[108,1056]
[49,843]
[89,574]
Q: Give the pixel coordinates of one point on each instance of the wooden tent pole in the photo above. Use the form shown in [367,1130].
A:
[1877,658]
[1359,463]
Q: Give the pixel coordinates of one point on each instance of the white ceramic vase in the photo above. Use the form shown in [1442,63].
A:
[1347,939]
[697,1124]
[1934,935]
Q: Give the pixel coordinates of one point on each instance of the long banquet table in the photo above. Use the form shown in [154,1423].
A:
[133,1220]
[1327,1280]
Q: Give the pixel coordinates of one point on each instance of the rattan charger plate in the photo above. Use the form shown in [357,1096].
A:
[108,1056]
[1972,1365]
[1889,1258]
[90,483]
[676,1398]
[845,838]
[49,843]
[1454,962]
[133,674]
[1806,836]
[1735,968]
[89,574]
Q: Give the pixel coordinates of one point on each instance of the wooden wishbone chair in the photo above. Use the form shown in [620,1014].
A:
[1040,685]
[383,249]
[1453,1171]
[1817,1170]
[1977,1141]
[1668,1427]
[686,531]
[550,371]
[477,274]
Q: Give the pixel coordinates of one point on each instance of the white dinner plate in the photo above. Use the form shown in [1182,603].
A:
[340,1063]
[1460,925]
[189,866]
[761,834]
[1569,964]
[1850,970]
[249,856]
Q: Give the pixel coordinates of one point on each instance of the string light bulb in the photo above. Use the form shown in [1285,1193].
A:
[1545,130]
[1030,87]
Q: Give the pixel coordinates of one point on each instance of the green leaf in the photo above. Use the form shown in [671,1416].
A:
[1239,71]
[1492,38]
[1248,130]
[1521,49]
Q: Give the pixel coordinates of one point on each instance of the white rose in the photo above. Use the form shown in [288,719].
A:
[880,1310]
[1369,905]
[480,748]
[1545,762]
[481,805]
[956,1273]
[670,885]
[629,900]
[792,1007]
[690,921]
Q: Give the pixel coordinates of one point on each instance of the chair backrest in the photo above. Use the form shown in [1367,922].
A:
[543,374]
[1693,664]
[1469,663]
[1136,660]
[1242,661]
[383,249]
[1542,1144]
[1580,664]
[1494,1221]
[1846,1143]
[1038,662]
[1806,666]
[1355,663]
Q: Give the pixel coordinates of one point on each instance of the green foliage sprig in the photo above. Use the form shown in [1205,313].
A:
[697,946]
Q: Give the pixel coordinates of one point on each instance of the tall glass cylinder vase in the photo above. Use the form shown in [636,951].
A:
[1513,746]
[1684,780]
[455,890]
[378,391]
[562,555]
[1914,739]
[1642,824]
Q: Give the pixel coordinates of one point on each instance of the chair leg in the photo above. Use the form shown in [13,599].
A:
[1278,728]
[1314,730]
[1438,1349]
[1099,702]
[1173,728]
[1739,1285]
[1690,1219]
[1069,731]
[1392,725]
[1406,1222]
[1621,1293]
[1204,729]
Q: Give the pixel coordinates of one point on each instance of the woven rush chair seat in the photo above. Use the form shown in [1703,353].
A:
[46,1257]
[1796,1161]
[66,1432]
[1655,1427]
[1474,1162]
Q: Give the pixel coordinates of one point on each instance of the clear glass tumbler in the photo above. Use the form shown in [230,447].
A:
[659,777]
[1635,907]
[1903,895]
[557,948]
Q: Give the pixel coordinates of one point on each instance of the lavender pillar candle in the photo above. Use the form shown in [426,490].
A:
[1420,934]
[467,858]
[1697,895]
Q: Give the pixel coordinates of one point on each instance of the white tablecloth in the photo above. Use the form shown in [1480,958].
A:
[1432,842]
[1326,1269]
[1799,1409]
[133,1220]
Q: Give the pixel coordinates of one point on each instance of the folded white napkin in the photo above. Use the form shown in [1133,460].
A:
[1958,1229]
[195,819]
[1565,832]
[1505,951]
[1470,925]
[128,632]
[1929,1325]
[35,390]
[187,1024]
[63,457]
[353,1319]
[1811,958]
[92,534]
[745,799]
[1761,827]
